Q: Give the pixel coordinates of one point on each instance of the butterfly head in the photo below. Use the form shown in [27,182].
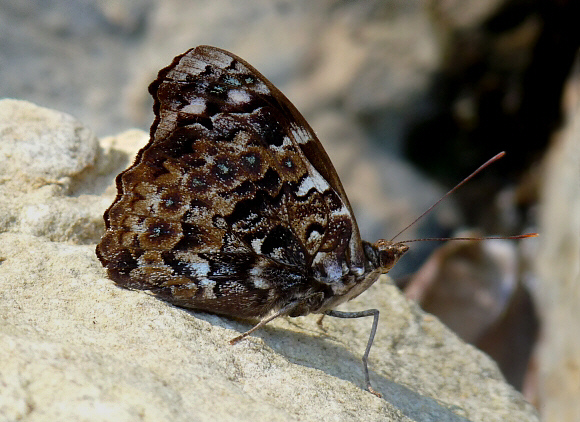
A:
[387,253]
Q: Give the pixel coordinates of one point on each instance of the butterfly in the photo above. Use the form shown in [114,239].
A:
[234,207]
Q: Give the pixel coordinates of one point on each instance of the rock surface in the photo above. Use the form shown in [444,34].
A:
[76,347]
[557,289]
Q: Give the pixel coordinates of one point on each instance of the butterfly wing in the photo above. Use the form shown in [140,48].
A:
[233,206]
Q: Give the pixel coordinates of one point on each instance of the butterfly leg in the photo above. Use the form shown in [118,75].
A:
[284,311]
[369,312]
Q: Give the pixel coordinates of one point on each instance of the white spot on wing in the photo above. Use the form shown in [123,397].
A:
[196,106]
[199,269]
[218,58]
[312,181]
[314,237]
[341,211]
[260,88]
[257,279]
[257,245]
[238,96]
[278,253]
[301,135]
[207,283]
[332,268]
[286,142]
[207,286]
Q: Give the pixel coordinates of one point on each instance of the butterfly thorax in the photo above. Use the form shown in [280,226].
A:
[380,257]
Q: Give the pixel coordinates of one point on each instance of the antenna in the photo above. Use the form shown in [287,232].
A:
[480,168]
[517,236]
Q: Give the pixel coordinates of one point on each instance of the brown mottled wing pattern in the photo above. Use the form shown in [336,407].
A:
[233,206]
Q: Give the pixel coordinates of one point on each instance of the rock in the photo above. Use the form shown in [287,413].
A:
[76,347]
[48,162]
[43,144]
[558,266]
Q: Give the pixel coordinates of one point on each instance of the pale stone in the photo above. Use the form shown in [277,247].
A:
[557,291]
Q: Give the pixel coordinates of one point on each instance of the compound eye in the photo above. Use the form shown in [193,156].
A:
[389,254]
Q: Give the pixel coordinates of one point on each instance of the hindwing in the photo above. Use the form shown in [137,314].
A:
[233,206]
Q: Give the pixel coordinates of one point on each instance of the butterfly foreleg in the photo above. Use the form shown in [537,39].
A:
[369,312]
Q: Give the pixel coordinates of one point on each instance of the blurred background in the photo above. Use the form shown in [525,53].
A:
[408,97]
